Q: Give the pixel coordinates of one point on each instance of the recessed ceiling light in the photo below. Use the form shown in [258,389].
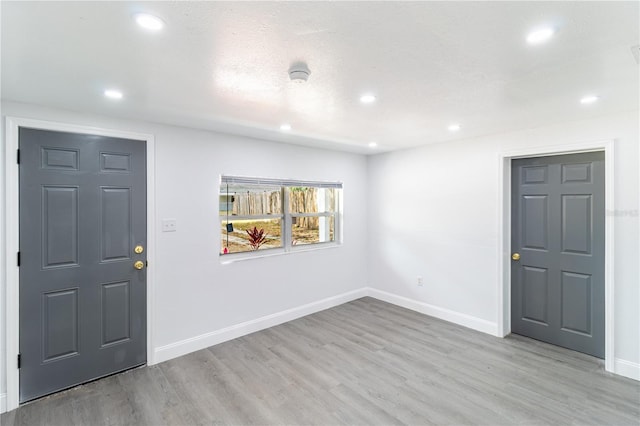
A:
[285,127]
[367,98]
[540,36]
[454,127]
[589,99]
[372,144]
[149,22]
[113,94]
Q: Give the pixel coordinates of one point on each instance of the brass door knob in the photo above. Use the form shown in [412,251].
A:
[138,249]
[515,256]
[138,265]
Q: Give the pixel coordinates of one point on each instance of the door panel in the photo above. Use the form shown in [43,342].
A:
[576,173]
[558,229]
[82,304]
[576,224]
[61,159]
[535,222]
[535,284]
[60,222]
[115,218]
[115,162]
[61,324]
[534,174]
[576,303]
[116,323]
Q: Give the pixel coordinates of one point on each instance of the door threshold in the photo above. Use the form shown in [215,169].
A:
[78,385]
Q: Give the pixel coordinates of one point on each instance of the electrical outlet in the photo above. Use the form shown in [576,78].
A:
[169,225]
[419,281]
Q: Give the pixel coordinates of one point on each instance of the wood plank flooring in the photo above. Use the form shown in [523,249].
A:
[363,363]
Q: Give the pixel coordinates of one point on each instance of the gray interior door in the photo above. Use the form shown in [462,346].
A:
[82,302]
[557,285]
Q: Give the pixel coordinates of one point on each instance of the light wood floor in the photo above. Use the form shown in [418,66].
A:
[366,362]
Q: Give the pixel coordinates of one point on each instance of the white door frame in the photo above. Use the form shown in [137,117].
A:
[13,124]
[504,246]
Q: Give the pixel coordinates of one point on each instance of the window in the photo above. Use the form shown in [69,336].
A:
[270,214]
[313,212]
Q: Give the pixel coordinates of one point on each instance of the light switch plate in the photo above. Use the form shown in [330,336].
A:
[169,225]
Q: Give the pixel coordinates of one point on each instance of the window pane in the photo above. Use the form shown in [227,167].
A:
[246,200]
[311,230]
[239,240]
[311,200]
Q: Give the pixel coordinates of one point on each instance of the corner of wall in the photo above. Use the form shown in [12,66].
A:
[464,320]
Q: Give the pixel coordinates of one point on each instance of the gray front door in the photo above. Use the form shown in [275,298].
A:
[82,302]
[557,285]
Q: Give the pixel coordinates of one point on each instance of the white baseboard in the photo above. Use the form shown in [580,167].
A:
[196,343]
[164,353]
[437,312]
[626,368]
[3,402]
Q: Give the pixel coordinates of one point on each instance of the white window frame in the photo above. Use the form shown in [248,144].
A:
[286,216]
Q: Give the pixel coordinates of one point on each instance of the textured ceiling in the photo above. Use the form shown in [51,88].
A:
[223,65]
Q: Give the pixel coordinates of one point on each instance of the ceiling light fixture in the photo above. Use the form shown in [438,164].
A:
[299,72]
[454,127]
[367,98]
[540,36]
[149,22]
[372,144]
[589,99]
[285,127]
[113,94]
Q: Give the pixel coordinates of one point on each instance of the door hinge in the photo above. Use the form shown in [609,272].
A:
[146,263]
[19,360]
[18,156]
[18,258]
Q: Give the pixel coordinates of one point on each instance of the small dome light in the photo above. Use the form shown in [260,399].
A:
[540,36]
[372,144]
[285,127]
[149,22]
[454,127]
[367,98]
[589,99]
[113,94]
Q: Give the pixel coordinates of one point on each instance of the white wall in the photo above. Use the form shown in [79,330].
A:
[195,295]
[431,211]
[434,212]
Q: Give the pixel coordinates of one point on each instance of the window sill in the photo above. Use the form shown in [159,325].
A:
[226,259]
